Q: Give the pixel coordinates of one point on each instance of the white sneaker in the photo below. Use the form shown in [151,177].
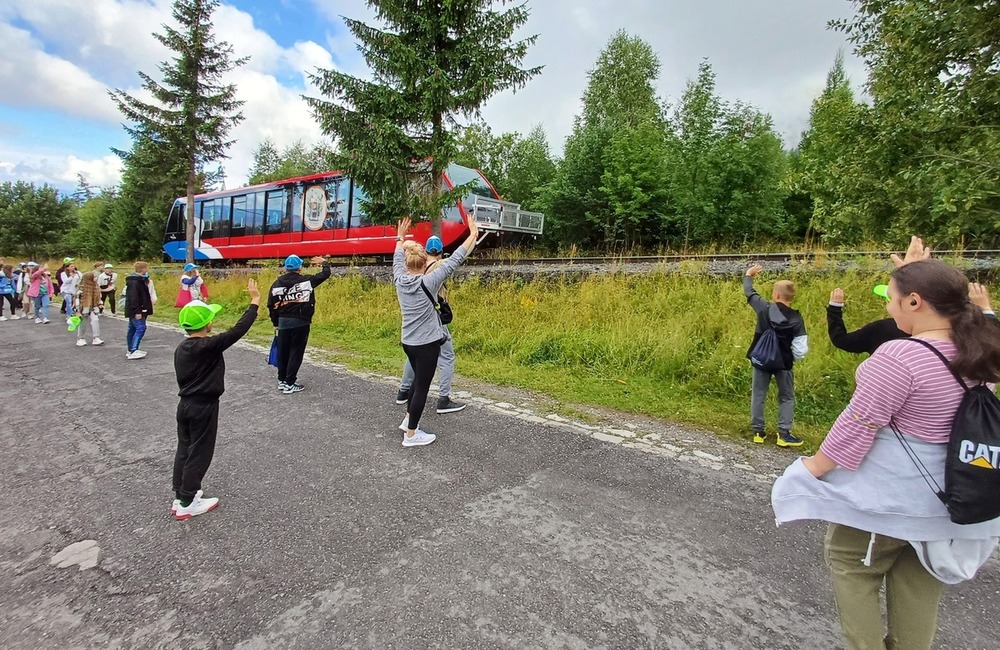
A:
[405,424]
[38,321]
[199,506]
[177,502]
[15,317]
[80,343]
[97,341]
[418,439]
[3,319]
[45,321]
[138,354]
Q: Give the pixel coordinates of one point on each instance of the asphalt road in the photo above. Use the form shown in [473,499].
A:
[330,534]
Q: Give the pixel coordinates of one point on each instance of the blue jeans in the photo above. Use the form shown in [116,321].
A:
[68,301]
[41,307]
[136,330]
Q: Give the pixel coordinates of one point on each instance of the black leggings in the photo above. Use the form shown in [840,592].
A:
[423,359]
[13,305]
[108,295]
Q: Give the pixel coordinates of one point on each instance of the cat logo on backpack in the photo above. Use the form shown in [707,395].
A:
[979,455]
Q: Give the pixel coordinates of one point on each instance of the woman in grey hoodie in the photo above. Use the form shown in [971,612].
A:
[423,332]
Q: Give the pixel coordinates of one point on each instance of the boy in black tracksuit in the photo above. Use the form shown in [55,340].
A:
[201,373]
[791,330]
[291,303]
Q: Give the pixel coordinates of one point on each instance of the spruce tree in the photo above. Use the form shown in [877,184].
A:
[194,111]
[432,62]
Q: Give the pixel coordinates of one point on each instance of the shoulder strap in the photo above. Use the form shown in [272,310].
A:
[427,292]
[944,360]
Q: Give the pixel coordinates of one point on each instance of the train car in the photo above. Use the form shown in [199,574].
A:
[323,215]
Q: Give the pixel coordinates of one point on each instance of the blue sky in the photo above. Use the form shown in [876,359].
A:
[59,57]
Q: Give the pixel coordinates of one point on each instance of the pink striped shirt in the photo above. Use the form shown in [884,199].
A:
[903,381]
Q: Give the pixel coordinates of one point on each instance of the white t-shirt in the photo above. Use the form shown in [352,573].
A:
[69,281]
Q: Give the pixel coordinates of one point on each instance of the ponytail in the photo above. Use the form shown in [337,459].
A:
[977,338]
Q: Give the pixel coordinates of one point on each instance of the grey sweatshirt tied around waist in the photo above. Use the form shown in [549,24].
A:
[421,323]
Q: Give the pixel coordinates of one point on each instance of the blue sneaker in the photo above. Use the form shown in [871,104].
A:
[786,439]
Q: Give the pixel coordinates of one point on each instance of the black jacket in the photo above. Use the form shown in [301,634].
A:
[292,295]
[786,322]
[137,298]
[867,339]
[198,361]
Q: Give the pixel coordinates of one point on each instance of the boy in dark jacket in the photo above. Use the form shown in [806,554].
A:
[291,303]
[201,378]
[138,307]
[791,331]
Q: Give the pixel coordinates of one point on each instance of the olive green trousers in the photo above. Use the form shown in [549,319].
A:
[912,595]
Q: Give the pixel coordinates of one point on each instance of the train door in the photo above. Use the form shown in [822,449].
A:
[324,210]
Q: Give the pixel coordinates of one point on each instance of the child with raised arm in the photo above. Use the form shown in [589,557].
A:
[790,329]
[201,374]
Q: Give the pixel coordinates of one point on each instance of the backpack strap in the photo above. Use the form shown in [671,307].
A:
[427,292]
[944,360]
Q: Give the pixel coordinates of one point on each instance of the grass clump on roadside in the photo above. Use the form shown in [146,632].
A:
[665,345]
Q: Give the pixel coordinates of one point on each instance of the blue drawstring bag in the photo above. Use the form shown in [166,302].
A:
[272,356]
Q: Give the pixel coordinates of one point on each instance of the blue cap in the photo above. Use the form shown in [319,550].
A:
[434,245]
[190,267]
[293,262]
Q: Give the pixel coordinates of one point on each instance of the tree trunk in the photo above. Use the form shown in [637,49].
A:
[437,174]
[189,213]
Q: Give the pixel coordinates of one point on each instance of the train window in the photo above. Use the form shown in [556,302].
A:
[208,211]
[358,217]
[476,185]
[275,212]
[175,222]
[222,216]
[255,205]
[296,207]
[240,212]
[337,192]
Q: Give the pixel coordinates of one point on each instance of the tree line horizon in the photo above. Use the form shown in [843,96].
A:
[636,173]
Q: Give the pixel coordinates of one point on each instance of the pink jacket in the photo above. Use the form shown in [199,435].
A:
[36,281]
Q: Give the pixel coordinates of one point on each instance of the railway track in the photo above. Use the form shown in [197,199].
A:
[618,260]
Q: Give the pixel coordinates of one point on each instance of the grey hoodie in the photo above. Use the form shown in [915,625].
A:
[421,322]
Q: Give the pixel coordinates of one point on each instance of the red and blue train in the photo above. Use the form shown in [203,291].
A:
[323,214]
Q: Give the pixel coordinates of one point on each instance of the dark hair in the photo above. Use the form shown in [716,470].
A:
[946,290]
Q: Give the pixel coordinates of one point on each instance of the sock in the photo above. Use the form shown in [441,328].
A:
[186,502]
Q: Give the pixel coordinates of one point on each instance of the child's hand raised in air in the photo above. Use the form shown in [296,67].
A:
[754,270]
[253,291]
[837,296]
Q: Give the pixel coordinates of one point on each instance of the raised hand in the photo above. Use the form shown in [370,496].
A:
[253,290]
[915,252]
[403,226]
[318,260]
[837,296]
[754,270]
[979,296]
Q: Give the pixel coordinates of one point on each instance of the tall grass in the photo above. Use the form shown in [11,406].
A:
[667,345]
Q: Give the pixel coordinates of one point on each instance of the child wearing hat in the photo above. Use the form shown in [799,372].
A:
[291,303]
[192,286]
[201,373]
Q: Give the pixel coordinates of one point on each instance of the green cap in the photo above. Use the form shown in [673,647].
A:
[68,260]
[74,322]
[195,315]
[882,291]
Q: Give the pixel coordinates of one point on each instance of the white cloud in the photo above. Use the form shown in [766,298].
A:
[60,170]
[32,78]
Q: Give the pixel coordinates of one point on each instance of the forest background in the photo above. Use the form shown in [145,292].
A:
[919,152]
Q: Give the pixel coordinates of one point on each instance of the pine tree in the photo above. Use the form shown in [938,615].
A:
[433,62]
[194,111]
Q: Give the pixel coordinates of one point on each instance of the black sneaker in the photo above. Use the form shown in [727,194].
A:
[403,396]
[448,405]
[293,388]
[786,439]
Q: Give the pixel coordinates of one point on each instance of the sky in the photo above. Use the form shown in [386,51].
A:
[59,58]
